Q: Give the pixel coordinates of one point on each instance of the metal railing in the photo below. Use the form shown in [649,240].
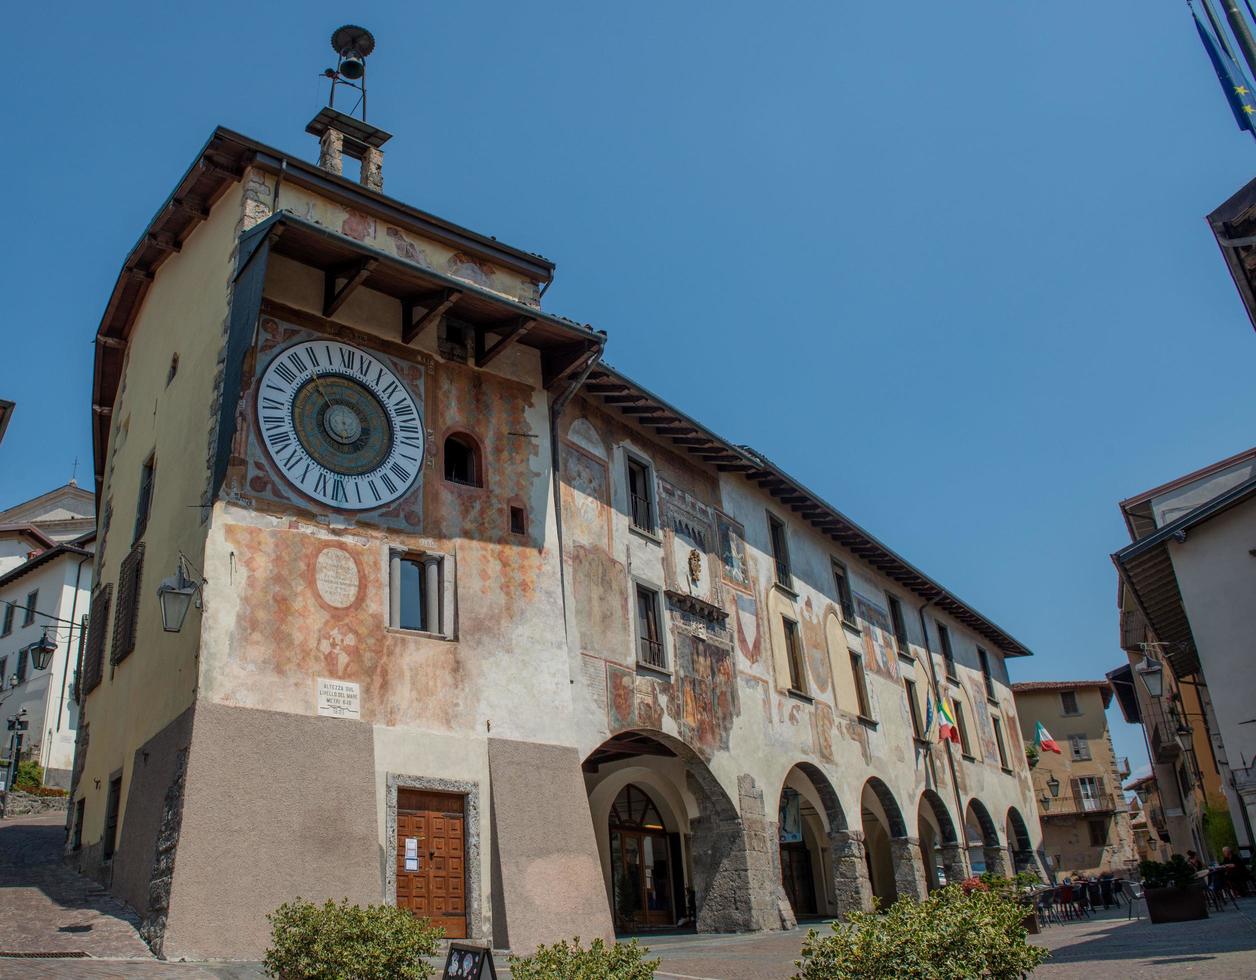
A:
[1070,805]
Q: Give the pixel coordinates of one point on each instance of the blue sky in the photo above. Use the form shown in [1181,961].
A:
[945,263]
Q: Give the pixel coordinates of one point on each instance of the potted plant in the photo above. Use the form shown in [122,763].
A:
[1032,755]
[1172,891]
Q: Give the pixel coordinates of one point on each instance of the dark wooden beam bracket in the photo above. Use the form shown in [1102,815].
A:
[354,274]
[437,307]
[511,336]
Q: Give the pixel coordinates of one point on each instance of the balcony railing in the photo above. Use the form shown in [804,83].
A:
[1162,725]
[1244,779]
[1068,805]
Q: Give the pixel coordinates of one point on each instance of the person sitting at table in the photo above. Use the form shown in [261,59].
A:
[1193,860]
[1237,875]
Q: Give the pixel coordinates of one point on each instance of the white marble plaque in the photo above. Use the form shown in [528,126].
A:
[339,699]
[336,575]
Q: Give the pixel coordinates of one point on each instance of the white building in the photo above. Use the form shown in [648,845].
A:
[45,588]
[1190,571]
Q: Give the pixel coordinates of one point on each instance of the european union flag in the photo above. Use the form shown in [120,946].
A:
[1233,82]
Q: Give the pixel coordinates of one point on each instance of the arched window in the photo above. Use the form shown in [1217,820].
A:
[634,810]
[462,461]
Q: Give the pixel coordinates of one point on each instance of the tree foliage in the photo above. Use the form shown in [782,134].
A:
[599,961]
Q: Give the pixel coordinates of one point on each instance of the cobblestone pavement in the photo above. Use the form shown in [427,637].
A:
[46,908]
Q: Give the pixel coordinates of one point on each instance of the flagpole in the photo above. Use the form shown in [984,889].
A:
[1216,27]
[1242,33]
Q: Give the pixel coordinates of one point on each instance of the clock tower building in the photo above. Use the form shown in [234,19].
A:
[327,417]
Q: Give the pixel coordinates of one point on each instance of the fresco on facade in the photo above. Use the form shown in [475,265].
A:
[734,564]
[406,249]
[709,703]
[823,720]
[878,639]
[748,637]
[815,648]
[586,498]
[689,535]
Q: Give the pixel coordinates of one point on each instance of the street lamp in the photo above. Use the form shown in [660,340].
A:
[42,650]
[1053,784]
[1153,676]
[176,595]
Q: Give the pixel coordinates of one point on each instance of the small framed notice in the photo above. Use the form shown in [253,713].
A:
[467,962]
[339,699]
[412,854]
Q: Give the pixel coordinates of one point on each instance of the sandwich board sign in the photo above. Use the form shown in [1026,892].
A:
[467,962]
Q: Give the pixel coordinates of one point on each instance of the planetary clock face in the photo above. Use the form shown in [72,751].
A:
[339,425]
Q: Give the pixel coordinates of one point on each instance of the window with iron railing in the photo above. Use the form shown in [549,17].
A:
[640,495]
[780,550]
[986,674]
[844,599]
[900,626]
[948,652]
[793,652]
[649,636]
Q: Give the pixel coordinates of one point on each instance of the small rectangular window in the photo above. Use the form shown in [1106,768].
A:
[998,741]
[948,652]
[985,672]
[28,616]
[913,708]
[780,550]
[640,495]
[1068,703]
[793,652]
[416,593]
[112,803]
[1098,832]
[22,657]
[861,684]
[842,581]
[1079,747]
[144,502]
[126,611]
[649,635]
[962,724]
[900,626]
[9,608]
[518,520]
[4,672]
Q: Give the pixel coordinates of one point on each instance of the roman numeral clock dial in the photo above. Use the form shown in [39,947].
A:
[339,425]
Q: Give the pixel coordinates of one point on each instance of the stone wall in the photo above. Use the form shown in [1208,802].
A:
[19,804]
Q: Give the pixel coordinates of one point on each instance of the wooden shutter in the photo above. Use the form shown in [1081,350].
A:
[127,613]
[97,630]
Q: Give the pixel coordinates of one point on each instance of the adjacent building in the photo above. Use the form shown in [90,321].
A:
[1084,816]
[45,586]
[1147,821]
[457,616]
[1187,624]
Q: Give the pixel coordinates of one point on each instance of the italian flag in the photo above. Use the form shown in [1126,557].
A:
[947,729]
[1045,742]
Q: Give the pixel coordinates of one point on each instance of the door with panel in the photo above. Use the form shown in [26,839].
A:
[431,860]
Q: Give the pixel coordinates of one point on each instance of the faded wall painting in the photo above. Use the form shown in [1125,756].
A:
[709,702]
[749,638]
[586,498]
[734,564]
[878,638]
[688,527]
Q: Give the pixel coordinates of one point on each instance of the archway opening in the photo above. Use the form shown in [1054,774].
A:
[809,821]
[668,836]
[1020,846]
[882,823]
[939,845]
[982,840]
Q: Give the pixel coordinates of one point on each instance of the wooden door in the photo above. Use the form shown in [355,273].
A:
[431,874]
[796,877]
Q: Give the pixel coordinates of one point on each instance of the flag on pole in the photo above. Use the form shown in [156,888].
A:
[947,729]
[1044,740]
[1233,82]
[928,714]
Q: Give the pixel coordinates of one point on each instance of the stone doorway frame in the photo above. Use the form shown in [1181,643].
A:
[469,790]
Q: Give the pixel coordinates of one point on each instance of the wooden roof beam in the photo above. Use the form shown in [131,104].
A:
[514,333]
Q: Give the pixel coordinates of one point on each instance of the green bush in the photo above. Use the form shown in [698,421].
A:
[349,942]
[1174,873]
[29,776]
[948,936]
[563,961]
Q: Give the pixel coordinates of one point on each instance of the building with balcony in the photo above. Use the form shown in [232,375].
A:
[1084,817]
[1185,586]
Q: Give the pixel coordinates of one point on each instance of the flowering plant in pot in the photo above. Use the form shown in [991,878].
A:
[1172,891]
